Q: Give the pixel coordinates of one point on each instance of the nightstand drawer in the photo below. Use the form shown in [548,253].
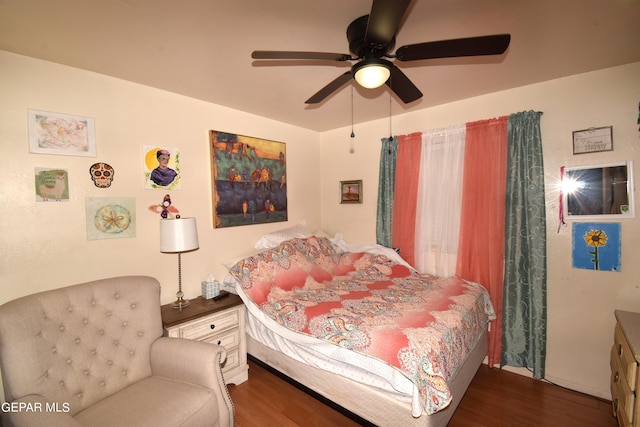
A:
[625,370]
[218,322]
[228,339]
[233,353]
[628,364]
[623,421]
[196,330]
[232,361]
[626,397]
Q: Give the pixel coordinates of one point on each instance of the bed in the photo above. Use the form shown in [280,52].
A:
[360,327]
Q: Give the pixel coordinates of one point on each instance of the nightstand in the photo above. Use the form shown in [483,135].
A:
[220,322]
[625,369]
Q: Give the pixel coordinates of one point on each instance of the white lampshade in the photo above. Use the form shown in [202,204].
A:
[178,235]
[372,75]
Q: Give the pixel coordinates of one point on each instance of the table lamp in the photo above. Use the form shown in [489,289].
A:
[177,236]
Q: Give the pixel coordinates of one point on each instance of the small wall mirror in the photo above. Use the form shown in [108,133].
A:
[599,191]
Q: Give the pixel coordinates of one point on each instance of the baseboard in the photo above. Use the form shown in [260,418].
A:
[561,382]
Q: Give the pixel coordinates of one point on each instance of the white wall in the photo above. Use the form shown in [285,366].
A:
[44,245]
[580,302]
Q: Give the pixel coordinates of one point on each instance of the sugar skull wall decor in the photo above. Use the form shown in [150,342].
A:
[101,174]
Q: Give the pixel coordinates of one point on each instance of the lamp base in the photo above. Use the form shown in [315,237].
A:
[180,303]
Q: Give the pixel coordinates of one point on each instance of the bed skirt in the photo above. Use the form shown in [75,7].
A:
[370,403]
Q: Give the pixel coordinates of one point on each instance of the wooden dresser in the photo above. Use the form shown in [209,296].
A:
[625,370]
[221,322]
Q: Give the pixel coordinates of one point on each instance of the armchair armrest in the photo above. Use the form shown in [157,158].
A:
[33,410]
[195,362]
[190,361]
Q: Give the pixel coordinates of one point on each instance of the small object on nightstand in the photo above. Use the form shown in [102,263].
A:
[221,295]
[210,288]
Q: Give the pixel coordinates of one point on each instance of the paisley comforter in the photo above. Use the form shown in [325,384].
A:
[420,324]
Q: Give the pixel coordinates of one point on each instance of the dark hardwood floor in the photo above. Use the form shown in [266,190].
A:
[495,398]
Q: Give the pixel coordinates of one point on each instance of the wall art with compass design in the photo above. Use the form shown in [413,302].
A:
[110,217]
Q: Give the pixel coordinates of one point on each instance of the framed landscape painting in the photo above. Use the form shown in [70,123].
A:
[351,191]
[249,180]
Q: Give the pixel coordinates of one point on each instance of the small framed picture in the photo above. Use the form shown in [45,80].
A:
[61,134]
[593,140]
[351,191]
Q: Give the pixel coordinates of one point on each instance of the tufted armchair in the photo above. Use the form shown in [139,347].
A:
[93,354]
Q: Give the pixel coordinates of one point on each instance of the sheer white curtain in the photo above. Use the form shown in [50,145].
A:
[439,200]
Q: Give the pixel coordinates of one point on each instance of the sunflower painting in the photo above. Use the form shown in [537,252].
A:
[596,246]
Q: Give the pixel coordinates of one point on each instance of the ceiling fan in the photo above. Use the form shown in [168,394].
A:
[372,37]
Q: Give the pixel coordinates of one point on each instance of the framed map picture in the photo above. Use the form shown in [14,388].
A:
[61,134]
[249,180]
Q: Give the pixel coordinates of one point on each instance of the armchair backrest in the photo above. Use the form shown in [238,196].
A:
[79,344]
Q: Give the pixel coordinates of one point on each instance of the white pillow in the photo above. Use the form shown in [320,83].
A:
[271,240]
[233,261]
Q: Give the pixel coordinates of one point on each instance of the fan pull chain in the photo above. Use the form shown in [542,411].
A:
[353,135]
[390,131]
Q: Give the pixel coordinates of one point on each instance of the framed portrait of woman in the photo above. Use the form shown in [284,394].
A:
[161,168]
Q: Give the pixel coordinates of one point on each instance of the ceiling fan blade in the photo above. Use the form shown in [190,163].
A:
[277,54]
[402,86]
[330,88]
[384,20]
[471,46]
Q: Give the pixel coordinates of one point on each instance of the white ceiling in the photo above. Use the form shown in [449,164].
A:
[202,48]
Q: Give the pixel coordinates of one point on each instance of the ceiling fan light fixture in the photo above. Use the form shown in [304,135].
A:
[372,73]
